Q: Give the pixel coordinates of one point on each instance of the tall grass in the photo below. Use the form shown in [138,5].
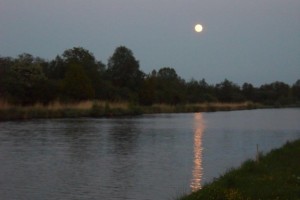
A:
[275,176]
[59,109]
[66,110]
[200,107]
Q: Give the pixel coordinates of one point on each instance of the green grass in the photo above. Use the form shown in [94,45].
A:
[275,176]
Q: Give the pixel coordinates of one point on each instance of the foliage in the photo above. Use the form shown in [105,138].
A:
[200,91]
[296,90]
[76,84]
[277,93]
[124,73]
[55,69]
[76,75]
[5,64]
[26,82]
[147,92]
[170,87]
[227,91]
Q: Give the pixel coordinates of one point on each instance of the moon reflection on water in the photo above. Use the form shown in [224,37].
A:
[198,169]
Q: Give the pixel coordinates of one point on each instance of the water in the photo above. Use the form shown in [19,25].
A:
[148,157]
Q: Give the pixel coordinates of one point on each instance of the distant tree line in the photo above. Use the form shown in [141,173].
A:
[76,76]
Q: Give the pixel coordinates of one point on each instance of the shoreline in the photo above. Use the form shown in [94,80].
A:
[275,175]
[99,109]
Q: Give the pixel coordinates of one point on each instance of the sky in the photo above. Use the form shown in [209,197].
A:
[255,41]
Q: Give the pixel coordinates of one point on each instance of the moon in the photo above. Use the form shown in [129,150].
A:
[198,28]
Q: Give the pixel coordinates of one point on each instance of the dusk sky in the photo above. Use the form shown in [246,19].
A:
[255,41]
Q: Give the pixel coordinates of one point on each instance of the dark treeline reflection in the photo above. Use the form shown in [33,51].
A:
[76,75]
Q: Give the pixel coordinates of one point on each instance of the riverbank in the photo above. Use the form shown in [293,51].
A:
[62,110]
[105,109]
[273,176]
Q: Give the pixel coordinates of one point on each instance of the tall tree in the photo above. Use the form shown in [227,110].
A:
[296,90]
[93,69]
[199,91]
[275,93]
[170,87]
[147,92]
[248,91]
[56,69]
[5,65]
[26,82]
[123,69]
[79,55]
[228,91]
[76,85]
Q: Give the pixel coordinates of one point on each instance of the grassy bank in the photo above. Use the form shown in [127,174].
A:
[107,109]
[200,107]
[274,176]
[70,110]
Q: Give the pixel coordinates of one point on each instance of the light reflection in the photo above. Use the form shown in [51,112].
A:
[198,170]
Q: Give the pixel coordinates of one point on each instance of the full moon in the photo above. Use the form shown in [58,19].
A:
[198,28]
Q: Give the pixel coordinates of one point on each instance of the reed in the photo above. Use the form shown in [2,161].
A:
[58,109]
[57,105]
[199,107]
[99,108]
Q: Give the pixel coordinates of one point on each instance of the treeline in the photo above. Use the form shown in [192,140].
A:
[76,76]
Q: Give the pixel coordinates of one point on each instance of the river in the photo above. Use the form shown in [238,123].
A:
[159,156]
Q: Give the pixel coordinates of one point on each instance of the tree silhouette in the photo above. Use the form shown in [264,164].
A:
[170,87]
[76,85]
[227,91]
[26,82]
[124,73]
[94,69]
[296,90]
[76,75]
[124,70]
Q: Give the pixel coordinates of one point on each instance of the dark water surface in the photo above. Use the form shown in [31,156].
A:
[153,157]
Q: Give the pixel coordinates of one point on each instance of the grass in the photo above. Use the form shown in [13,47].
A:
[200,107]
[107,109]
[275,176]
[62,110]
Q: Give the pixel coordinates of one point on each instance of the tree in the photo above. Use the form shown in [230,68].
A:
[123,70]
[227,91]
[76,84]
[170,87]
[81,56]
[5,65]
[94,69]
[26,82]
[167,73]
[275,93]
[193,91]
[199,91]
[56,69]
[248,91]
[147,92]
[296,90]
